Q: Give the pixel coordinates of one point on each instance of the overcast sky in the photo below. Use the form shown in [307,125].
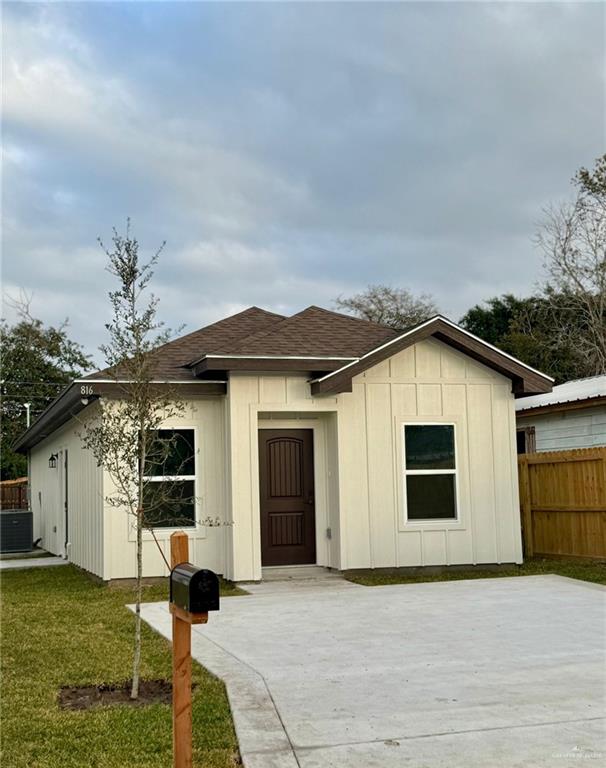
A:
[289,153]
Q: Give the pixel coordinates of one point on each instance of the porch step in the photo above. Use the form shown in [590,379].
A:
[299,573]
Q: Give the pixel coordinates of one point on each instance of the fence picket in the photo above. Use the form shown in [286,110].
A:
[563,502]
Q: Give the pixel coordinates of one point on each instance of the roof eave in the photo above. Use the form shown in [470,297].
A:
[73,400]
[285,363]
[68,404]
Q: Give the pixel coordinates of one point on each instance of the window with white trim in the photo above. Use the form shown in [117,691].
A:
[170,479]
[430,472]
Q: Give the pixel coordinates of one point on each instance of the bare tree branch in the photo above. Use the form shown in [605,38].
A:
[394,307]
[573,241]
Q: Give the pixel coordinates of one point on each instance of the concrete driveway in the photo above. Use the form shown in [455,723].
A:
[487,673]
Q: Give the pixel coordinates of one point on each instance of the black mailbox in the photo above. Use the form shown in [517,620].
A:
[195,590]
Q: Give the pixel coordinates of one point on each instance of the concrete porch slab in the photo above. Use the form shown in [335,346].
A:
[299,573]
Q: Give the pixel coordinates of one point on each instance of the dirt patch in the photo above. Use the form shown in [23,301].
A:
[104,695]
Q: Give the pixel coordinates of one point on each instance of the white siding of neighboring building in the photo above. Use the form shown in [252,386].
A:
[207,545]
[359,476]
[84,497]
[578,428]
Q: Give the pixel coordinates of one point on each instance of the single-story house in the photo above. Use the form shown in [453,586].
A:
[572,415]
[318,438]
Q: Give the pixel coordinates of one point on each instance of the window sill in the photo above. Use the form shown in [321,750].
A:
[197,531]
[432,525]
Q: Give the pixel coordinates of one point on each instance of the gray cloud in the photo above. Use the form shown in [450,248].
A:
[289,153]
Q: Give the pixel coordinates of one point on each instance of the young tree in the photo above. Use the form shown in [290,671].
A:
[38,361]
[126,437]
[395,307]
[573,240]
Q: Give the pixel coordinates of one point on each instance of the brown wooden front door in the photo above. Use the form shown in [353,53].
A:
[286,479]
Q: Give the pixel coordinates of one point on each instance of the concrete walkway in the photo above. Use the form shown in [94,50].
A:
[21,563]
[472,674]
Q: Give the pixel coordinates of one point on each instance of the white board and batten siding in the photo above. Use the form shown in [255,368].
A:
[428,383]
[102,538]
[277,401]
[567,429]
[358,461]
[84,498]
[207,545]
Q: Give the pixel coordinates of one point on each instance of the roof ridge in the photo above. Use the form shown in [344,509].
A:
[259,309]
[212,325]
[310,316]
[261,334]
[180,339]
[258,335]
[372,323]
[222,320]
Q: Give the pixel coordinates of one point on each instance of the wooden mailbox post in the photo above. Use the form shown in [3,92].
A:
[182,621]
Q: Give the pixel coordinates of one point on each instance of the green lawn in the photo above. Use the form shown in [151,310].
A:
[574,569]
[59,628]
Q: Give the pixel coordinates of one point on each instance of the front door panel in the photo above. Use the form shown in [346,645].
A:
[286,479]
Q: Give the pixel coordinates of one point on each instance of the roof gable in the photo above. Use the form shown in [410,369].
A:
[432,359]
[526,380]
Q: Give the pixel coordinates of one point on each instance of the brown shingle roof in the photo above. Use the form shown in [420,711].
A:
[315,332]
[174,356]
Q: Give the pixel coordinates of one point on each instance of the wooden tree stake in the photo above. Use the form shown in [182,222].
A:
[182,718]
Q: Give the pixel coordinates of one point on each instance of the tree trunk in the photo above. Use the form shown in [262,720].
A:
[137,655]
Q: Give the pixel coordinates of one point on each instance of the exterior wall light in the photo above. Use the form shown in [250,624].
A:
[52,462]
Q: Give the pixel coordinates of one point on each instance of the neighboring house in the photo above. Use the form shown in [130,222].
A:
[572,415]
[320,438]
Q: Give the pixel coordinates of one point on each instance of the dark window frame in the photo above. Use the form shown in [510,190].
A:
[452,472]
[177,525]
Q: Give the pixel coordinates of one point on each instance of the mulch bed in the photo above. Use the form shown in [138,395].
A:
[88,696]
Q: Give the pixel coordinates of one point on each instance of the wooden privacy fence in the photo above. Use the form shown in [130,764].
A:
[13,494]
[563,502]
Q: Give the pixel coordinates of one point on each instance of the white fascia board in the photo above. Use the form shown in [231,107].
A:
[424,325]
[274,357]
[269,357]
